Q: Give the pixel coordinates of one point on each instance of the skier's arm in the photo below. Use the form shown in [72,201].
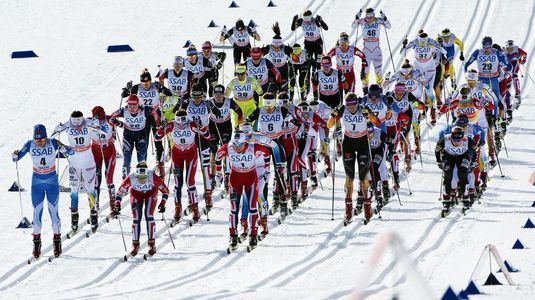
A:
[336,114]
[470,60]
[320,23]
[221,153]
[18,154]
[253,116]
[63,149]
[459,43]
[438,149]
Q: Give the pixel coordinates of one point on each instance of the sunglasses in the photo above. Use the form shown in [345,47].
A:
[41,140]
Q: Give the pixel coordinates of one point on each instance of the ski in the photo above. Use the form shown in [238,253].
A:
[128,256]
[33,259]
[231,250]
[146,256]
[72,233]
[347,221]
[366,221]
[52,257]
[250,248]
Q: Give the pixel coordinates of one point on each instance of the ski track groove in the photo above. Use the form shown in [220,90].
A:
[76,241]
[179,229]
[475,16]
[36,265]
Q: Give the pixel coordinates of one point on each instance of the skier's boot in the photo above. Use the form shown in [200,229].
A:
[178,212]
[36,246]
[74,219]
[94,220]
[152,247]
[195,210]
[135,247]
[57,245]
[386,191]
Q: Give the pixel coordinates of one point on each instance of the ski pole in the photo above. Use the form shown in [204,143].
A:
[390,50]
[399,199]
[505,147]
[168,231]
[19,188]
[441,185]
[122,232]
[499,165]
[333,162]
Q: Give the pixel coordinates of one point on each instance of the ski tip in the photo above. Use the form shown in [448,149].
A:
[190,223]
[228,251]
[145,256]
[87,234]
[125,258]
[29,261]
[249,249]
[50,259]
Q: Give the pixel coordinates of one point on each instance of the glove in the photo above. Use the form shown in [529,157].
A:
[359,14]
[253,29]
[117,208]
[334,113]
[382,15]
[405,42]
[461,57]
[224,30]
[218,179]
[362,75]
[318,17]
[389,99]
[15,155]
[66,152]
[161,207]
[115,122]
[472,167]
[440,165]
[304,134]
[59,128]
[294,20]
[219,65]
[129,85]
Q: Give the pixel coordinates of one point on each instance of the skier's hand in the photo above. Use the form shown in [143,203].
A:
[295,18]
[15,155]
[63,150]
[161,207]
[129,85]
[362,75]
[59,128]
[334,113]
[389,99]
[115,122]
[472,167]
[440,165]
[383,15]
[359,14]
[461,57]
[318,17]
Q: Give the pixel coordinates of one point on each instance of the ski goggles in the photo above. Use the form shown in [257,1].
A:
[181,119]
[142,173]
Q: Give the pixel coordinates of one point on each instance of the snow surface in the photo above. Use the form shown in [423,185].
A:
[308,256]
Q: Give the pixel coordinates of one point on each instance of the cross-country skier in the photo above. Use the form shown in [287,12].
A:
[217,59]
[312,31]
[135,129]
[143,185]
[263,70]
[43,152]
[184,156]
[371,32]
[246,92]
[455,153]
[201,67]
[239,38]
[246,165]
[345,59]
[198,111]
[427,53]
[277,53]
[354,117]
[82,168]
[104,152]
[148,94]
[300,73]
